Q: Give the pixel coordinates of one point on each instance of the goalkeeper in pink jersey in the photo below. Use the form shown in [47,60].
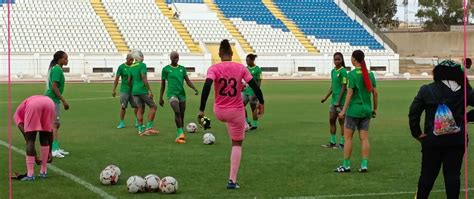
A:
[228,106]
[36,114]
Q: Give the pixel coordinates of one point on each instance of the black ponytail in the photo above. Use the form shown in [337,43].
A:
[58,55]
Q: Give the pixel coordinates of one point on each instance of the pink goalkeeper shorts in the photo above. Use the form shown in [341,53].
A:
[235,121]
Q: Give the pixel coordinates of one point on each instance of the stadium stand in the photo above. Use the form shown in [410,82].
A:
[47,26]
[323,19]
[145,27]
[264,32]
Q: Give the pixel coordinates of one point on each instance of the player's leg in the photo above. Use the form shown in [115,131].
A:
[364,139]
[236,130]
[253,107]
[452,163]
[46,135]
[140,110]
[30,156]
[332,128]
[150,130]
[57,124]
[174,103]
[431,160]
[182,108]
[44,141]
[341,139]
[349,128]
[124,98]
[246,100]
[132,103]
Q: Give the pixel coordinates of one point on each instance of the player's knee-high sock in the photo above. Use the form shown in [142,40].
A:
[44,158]
[30,165]
[235,162]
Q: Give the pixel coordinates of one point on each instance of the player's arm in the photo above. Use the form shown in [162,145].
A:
[350,92]
[343,90]
[206,89]
[191,85]
[416,110]
[327,95]
[115,85]
[162,91]
[147,85]
[59,96]
[258,93]
[256,89]
[375,98]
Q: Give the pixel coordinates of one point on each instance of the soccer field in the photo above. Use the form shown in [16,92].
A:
[283,158]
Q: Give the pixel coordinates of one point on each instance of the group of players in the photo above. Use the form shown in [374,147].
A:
[235,85]
[40,114]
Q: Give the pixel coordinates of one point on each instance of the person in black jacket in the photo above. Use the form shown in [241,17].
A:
[446,150]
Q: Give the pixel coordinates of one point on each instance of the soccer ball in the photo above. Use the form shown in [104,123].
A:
[168,185]
[114,167]
[208,139]
[152,182]
[191,127]
[108,176]
[136,184]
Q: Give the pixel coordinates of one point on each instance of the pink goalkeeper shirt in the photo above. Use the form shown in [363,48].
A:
[227,78]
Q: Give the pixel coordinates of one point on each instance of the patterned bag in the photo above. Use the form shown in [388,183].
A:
[444,122]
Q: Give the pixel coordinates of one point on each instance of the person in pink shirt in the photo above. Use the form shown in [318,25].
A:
[36,114]
[228,106]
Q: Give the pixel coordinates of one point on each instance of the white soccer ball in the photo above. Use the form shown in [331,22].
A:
[136,184]
[168,185]
[191,127]
[208,139]
[247,127]
[152,182]
[108,176]
[114,167]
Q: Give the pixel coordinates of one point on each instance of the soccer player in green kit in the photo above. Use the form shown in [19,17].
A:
[125,89]
[54,90]
[175,75]
[248,95]
[358,110]
[338,92]
[142,94]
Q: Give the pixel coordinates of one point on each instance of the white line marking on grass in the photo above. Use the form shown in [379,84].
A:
[365,194]
[79,99]
[72,177]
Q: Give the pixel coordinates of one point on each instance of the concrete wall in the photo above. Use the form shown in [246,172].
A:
[33,65]
[432,44]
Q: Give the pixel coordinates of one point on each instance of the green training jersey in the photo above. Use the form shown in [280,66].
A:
[175,77]
[361,102]
[256,72]
[338,79]
[136,71]
[56,74]
[123,72]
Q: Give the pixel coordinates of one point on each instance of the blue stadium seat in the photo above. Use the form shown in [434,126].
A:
[250,10]
[6,1]
[325,20]
[184,1]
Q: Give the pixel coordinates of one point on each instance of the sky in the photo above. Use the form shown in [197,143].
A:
[412,9]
